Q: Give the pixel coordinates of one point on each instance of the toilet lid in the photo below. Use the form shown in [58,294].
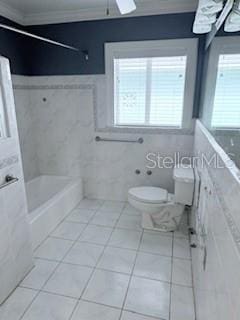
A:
[149,194]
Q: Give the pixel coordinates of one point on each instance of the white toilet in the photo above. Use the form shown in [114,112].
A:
[162,211]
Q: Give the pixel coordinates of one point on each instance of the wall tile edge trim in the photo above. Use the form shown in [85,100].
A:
[98,128]
[235,232]
[65,87]
[54,87]
[6,162]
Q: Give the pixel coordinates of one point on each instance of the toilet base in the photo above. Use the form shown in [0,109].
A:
[167,220]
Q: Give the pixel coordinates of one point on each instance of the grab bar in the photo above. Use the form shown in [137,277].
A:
[8,180]
[140,140]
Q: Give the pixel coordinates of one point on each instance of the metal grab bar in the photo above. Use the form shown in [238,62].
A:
[8,180]
[140,140]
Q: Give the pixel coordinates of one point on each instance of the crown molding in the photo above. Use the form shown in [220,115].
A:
[151,8]
[10,13]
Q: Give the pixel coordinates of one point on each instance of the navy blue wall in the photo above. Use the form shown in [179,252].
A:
[14,47]
[35,58]
[91,35]
[32,57]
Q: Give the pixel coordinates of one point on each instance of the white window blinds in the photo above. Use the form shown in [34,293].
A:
[226,109]
[149,91]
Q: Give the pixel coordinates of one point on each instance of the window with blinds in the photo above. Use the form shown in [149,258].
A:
[149,91]
[226,109]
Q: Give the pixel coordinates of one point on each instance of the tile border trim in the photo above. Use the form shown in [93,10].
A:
[65,87]
[6,162]
[98,128]
[235,232]
[230,221]
[54,87]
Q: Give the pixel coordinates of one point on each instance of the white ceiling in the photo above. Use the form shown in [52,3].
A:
[51,11]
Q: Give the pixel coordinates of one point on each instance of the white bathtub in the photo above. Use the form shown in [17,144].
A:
[50,199]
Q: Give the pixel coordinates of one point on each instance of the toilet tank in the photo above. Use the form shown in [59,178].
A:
[183,176]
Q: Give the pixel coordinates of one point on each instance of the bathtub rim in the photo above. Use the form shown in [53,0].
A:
[34,214]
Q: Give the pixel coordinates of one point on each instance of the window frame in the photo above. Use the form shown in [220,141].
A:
[154,48]
[3,110]
[220,46]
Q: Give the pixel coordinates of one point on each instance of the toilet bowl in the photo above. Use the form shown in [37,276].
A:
[162,211]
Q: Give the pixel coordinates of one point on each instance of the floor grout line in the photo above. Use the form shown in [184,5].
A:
[113,271]
[95,267]
[192,276]
[131,275]
[171,281]
[58,264]
[105,246]
[144,315]
[112,246]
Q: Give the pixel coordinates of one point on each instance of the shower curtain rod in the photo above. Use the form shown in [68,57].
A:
[28,34]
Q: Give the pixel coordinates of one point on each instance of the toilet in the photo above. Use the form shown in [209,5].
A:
[162,211]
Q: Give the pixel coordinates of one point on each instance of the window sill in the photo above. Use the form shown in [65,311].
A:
[146,130]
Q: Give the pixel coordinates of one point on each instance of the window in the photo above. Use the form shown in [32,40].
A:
[151,83]
[226,107]
[221,98]
[149,91]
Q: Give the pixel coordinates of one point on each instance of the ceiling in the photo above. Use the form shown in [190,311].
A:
[52,11]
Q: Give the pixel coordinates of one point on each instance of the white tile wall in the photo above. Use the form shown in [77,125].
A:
[57,137]
[27,133]
[217,287]
[15,245]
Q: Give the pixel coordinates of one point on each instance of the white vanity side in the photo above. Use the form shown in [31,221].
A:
[217,288]
[15,246]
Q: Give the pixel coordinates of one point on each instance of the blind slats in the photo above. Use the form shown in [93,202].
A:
[149,91]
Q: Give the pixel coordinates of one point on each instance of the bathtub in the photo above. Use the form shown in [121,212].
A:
[50,199]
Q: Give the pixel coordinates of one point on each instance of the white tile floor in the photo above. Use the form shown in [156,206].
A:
[98,264]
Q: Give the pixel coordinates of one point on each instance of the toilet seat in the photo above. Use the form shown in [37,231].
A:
[149,195]
[162,211]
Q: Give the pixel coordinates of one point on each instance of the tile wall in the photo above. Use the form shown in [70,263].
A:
[57,123]
[15,246]
[216,260]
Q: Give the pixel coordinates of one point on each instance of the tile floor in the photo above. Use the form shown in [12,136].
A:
[98,264]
